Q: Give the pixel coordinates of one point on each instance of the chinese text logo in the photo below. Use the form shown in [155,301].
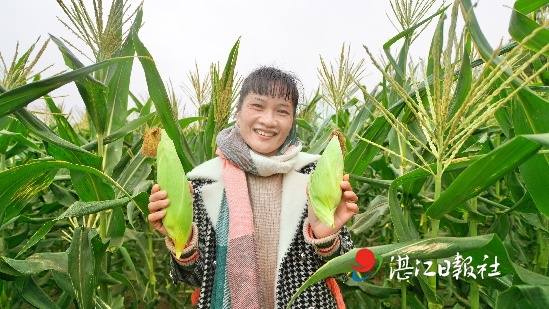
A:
[460,266]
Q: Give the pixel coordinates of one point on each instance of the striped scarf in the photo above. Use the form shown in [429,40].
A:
[237,282]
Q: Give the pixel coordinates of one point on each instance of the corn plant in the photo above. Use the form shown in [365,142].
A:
[448,158]
[217,112]
[454,130]
[86,175]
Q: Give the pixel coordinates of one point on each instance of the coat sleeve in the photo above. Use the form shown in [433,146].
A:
[330,246]
[191,275]
[346,241]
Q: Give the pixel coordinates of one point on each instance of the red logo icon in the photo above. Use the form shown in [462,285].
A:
[365,263]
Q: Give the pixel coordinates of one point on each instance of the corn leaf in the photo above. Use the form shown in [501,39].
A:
[362,154]
[117,97]
[7,272]
[42,231]
[128,260]
[79,209]
[20,183]
[530,116]
[135,172]
[18,186]
[38,262]
[367,290]
[21,96]
[528,6]
[464,81]
[91,187]
[403,230]
[535,297]
[164,110]
[423,250]
[40,129]
[220,87]
[185,122]
[128,284]
[529,112]
[123,131]
[405,34]
[83,265]
[320,140]
[33,294]
[6,123]
[435,50]
[64,128]
[72,156]
[484,172]
[64,283]
[522,26]
[92,91]
[19,138]
[303,124]
[88,186]
[358,121]
[124,161]
[117,227]
[85,208]
[377,208]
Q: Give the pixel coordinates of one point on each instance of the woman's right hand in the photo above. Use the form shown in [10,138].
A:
[157,202]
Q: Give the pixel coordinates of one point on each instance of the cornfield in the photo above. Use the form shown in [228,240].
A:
[449,157]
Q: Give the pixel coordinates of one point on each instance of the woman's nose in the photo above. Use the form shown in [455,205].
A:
[267,119]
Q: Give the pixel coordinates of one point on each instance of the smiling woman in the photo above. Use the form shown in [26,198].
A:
[266,113]
[264,123]
[432,152]
[255,242]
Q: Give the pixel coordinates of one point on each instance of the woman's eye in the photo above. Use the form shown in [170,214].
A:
[284,112]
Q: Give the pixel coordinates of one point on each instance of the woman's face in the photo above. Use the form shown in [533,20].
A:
[265,122]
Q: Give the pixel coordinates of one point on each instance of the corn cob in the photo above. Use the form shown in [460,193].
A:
[324,189]
[171,178]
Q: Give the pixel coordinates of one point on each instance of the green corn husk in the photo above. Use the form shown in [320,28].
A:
[171,178]
[324,187]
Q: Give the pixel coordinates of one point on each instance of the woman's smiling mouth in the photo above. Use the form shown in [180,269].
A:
[263,133]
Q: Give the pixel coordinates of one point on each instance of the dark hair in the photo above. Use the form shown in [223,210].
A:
[270,81]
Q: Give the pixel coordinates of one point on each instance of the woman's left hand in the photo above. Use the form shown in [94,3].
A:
[346,209]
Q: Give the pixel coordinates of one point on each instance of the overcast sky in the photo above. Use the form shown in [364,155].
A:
[290,34]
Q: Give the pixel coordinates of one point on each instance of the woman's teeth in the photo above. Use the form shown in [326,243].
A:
[264,133]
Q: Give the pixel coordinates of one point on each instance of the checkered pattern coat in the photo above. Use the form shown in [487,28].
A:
[297,260]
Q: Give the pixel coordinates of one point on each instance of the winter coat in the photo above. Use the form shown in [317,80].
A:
[296,260]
